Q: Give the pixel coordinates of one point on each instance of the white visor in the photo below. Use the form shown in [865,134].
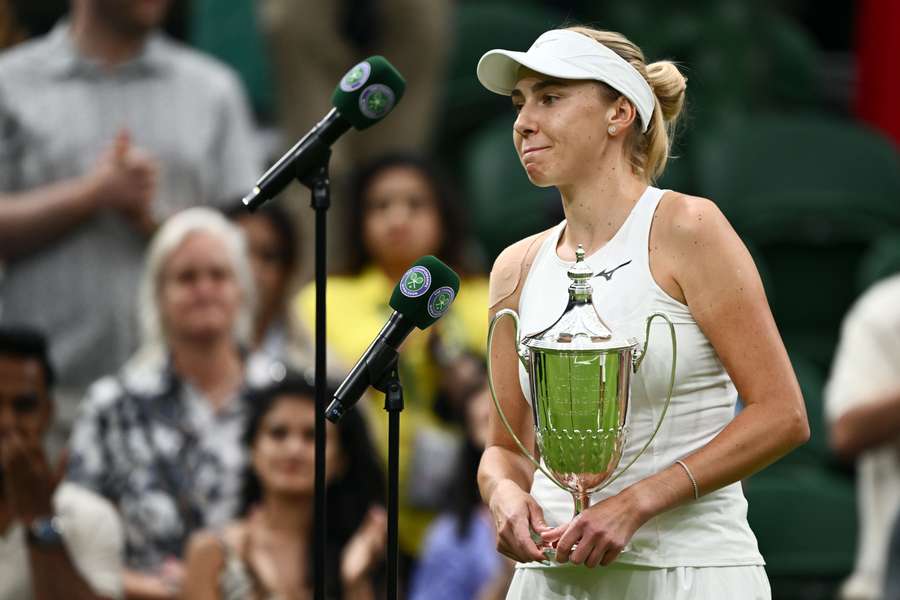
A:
[568,55]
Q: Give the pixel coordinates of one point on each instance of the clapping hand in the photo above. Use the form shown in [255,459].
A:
[365,548]
[28,480]
[125,179]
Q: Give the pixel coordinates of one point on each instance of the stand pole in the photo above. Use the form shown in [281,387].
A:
[393,404]
[319,184]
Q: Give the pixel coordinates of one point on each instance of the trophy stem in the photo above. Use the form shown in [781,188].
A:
[582,501]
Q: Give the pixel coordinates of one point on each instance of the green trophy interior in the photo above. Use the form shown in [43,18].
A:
[577,409]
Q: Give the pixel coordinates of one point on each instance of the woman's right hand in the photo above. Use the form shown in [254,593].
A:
[516,514]
[365,548]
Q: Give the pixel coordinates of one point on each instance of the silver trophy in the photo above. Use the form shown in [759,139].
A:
[580,379]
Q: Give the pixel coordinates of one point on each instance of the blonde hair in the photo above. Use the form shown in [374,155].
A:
[170,236]
[649,151]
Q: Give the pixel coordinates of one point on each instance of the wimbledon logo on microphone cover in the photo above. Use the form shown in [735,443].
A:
[376,101]
[439,301]
[415,282]
[356,77]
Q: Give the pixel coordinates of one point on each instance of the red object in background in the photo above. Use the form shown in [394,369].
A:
[878,65]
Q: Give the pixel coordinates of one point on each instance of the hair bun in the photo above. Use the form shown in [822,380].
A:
[669,86]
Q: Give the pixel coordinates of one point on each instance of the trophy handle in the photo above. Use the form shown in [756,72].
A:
[508,312]
[637,365]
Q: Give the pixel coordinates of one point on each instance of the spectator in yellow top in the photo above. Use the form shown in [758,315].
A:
[400,210]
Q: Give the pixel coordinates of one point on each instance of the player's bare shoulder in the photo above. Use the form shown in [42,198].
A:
[688,233]
[685,224]
[507,272]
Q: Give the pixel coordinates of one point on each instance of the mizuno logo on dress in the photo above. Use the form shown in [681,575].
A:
[607,275]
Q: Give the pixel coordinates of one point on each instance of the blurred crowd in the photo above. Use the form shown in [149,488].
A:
[156,402]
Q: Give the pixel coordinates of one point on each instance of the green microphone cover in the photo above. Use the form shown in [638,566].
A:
[368,92]
[426,291]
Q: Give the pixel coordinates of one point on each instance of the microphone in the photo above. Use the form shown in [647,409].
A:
[422,296]
[364,96]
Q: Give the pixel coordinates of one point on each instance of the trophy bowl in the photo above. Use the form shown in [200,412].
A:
[580,406]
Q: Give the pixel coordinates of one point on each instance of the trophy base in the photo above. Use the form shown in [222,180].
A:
[549,550]
[549,553]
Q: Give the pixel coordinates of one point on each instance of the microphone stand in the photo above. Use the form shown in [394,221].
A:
[393,404]
[317,181]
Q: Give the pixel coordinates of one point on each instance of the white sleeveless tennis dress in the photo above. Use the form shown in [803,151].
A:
[703,549]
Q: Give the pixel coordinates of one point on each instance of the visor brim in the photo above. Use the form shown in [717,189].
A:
[498,70]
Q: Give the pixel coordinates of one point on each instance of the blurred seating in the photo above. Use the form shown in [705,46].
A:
[505,206]
[881,260]
[679,172]
[229,30]
[810,193]
[801,163]
[762,267]
[805,521]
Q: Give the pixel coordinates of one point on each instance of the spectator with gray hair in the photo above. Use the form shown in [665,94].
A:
[162,438]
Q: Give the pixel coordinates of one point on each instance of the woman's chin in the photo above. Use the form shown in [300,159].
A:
[290,488]
[205,334]
[540,180]
[405,256]
[538,176]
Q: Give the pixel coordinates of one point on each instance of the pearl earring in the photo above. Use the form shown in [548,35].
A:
[612,130]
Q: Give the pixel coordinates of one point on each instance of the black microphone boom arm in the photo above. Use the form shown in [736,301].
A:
[309,153]
[372,368]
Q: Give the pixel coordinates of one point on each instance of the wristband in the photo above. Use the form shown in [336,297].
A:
[44,532]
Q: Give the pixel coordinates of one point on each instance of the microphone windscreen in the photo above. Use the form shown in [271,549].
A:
[368,92]
[425,291]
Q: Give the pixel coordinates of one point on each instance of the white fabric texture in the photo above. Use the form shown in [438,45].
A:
[866,365]
[713,530]
[93,537]
[568,55]
[636,583]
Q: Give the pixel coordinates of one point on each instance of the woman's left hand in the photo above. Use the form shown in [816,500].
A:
[598,535]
